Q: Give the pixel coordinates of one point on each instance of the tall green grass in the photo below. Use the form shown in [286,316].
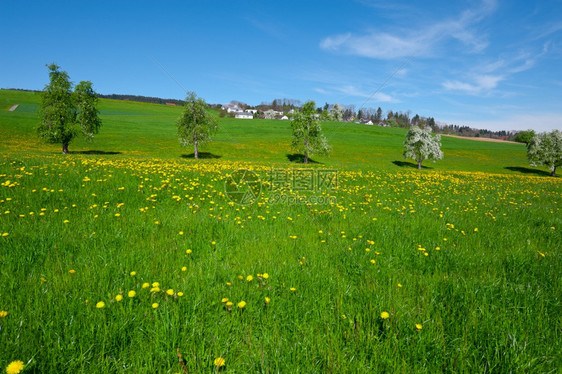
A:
[466,263]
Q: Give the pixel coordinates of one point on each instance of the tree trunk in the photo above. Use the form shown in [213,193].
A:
[195,150]
[64,148]
[305,157]
[553,174]
[419,165]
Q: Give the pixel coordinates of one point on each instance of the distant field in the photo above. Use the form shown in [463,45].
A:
[148,130]
[121,254]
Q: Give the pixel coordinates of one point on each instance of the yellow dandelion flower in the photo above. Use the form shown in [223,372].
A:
[156,284]
[184,268]
[181,232]
[132,294]
[476,229]
[155,305]
[373,261]
[3,313]
[180,294]
[241,304]
[293,289]
[188,251]
[399,285]
[229,303]
[213,243]
[170,292]
[249,278]
[267,300]
[219,362]
[145,285]
[228,284]
[118,297]
[265,276]
[15,367]
[385,315]
[419,326]
[224,299]
[5,234]
[133,273]
[72,271]
[100,304]
[155,289]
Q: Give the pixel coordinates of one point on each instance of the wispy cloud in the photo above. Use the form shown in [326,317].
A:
[484,78]
[479,84]
[419,42]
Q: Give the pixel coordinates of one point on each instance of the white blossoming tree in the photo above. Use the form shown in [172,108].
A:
[546,149]
[421,145]
[336,113]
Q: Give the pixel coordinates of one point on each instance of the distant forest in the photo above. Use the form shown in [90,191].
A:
[392,119]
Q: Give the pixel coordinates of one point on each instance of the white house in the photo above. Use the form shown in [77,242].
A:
[244,115]
[284,118]
[253,111]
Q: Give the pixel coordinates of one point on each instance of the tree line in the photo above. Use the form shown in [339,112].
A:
[67,111]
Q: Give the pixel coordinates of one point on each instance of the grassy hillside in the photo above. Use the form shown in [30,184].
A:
[115,258]
[148,130]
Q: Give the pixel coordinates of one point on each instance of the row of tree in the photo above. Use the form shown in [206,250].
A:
[68,111]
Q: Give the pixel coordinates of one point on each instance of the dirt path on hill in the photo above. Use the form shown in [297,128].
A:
[481,139]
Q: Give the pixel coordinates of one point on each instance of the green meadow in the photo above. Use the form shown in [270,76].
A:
[128,255]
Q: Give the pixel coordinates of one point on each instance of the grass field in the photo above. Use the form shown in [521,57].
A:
[120,254]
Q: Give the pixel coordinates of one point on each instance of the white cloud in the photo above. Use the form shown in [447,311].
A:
[418,42]
[480,84]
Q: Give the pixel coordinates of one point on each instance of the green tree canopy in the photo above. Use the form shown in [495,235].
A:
[196,125]
[421,145]
[546,149]
[524,136]
[307,133]
[66,114]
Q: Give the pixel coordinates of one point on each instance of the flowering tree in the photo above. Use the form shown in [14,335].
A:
[336,113]
[546,149]
[196,125]
[307,133]
[421,145]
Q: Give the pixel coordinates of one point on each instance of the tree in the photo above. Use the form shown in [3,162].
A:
[336,112]
[421,145]
[269,114]
[66,114]
[307,133]
[546,149]
[196,125]
[524,136]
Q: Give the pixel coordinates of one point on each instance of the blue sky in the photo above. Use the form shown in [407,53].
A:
[482,63]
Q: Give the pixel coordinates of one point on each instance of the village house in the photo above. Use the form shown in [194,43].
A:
[244,115]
